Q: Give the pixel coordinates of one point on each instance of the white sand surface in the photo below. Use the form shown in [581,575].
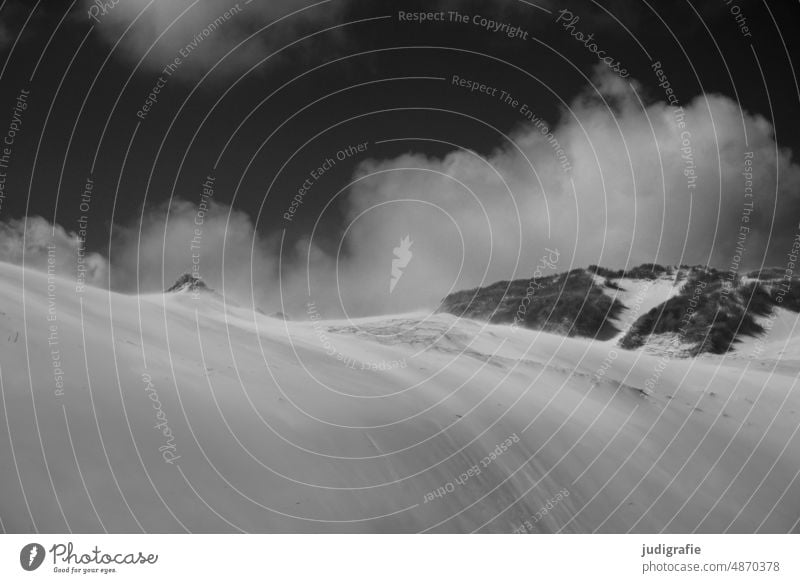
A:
[278,428]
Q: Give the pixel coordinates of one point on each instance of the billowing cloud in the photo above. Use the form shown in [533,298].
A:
[617,181]
[614,182]
[35,243]
[644,182]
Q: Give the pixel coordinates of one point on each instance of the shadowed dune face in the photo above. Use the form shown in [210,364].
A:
[175,412]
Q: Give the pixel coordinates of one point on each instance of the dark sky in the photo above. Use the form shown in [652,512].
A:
[81,119]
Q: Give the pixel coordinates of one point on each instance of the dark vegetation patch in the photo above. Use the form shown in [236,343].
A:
[643,271]
[571,304]
[653,271]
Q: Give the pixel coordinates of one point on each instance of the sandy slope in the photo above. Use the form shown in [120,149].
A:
[278,431]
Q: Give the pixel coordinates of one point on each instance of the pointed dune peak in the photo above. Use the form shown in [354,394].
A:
[188,283]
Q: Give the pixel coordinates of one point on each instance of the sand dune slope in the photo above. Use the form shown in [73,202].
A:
[167,413]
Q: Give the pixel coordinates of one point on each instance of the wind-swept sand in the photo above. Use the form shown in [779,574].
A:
[271,425]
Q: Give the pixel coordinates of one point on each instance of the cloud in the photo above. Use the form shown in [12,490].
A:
[641,187]
[219,242]
[202,32]
[637,187]
[34,242]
